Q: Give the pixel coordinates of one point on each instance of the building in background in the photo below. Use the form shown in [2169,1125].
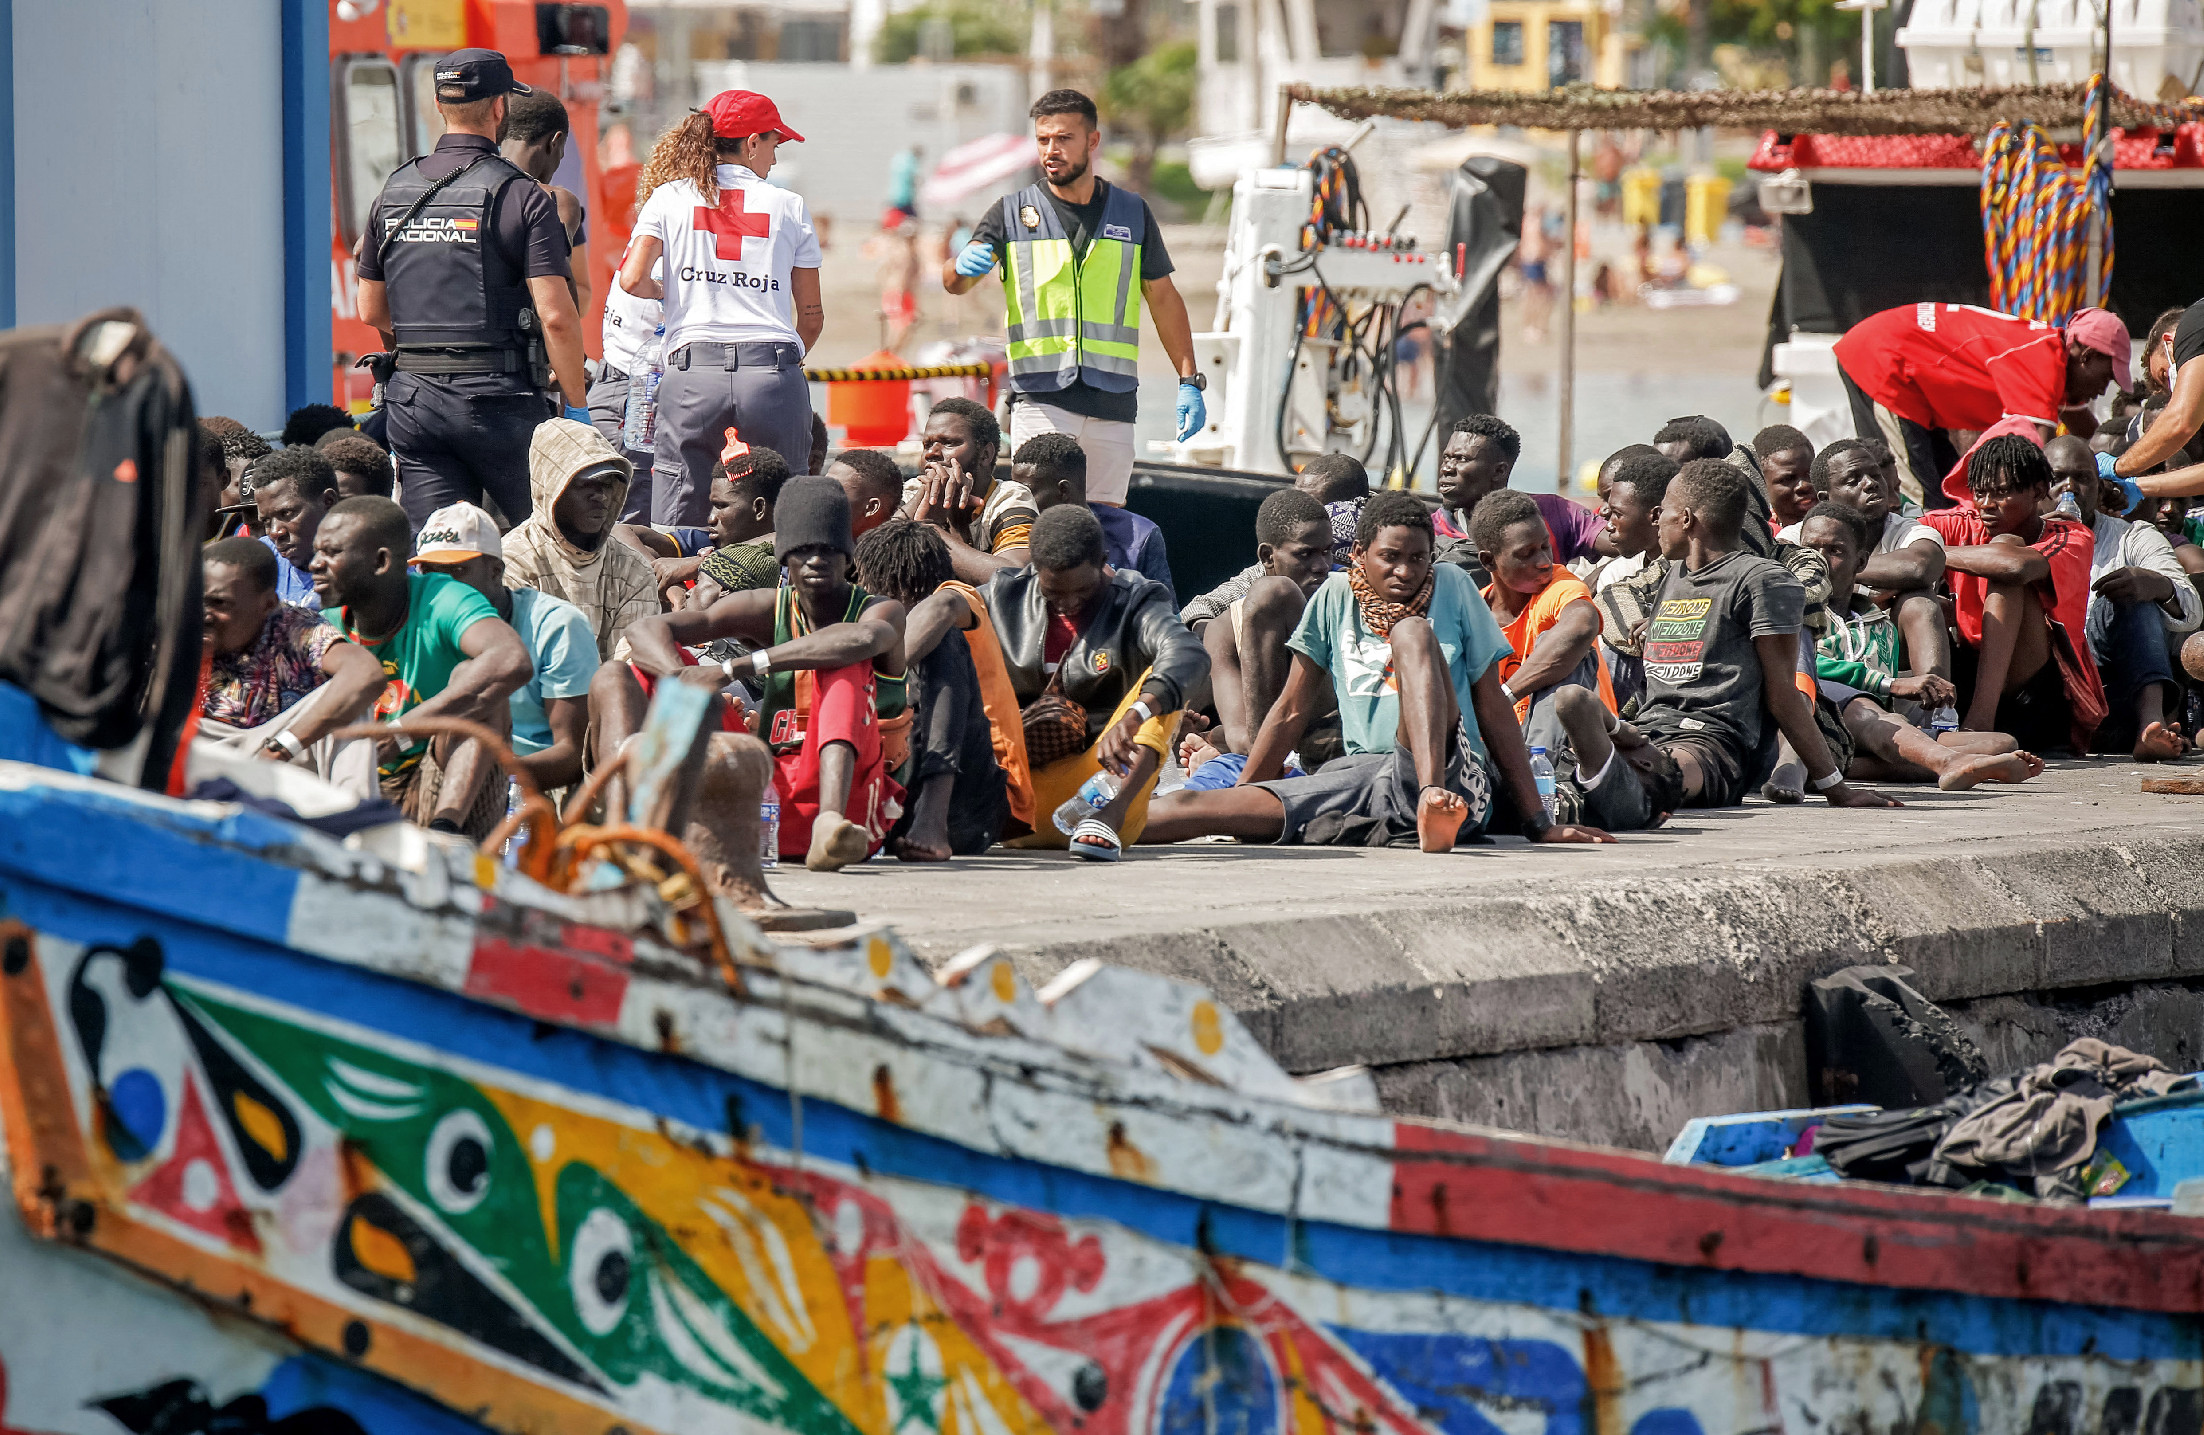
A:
[1545,44]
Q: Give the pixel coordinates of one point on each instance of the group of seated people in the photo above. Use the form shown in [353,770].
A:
[937,664]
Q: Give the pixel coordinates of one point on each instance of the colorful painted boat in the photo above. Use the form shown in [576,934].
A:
[380,1136]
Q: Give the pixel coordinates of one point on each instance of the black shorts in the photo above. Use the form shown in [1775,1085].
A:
[1369,799]
[2037,715]
[1727,781]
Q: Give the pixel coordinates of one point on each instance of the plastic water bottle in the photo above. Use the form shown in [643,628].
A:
[639,422]
[1093,795]
[1542,773]
[519,839]
[2067,508]
[1944,719]
[769,829]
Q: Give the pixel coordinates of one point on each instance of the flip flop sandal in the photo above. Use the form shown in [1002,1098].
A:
[1096,852]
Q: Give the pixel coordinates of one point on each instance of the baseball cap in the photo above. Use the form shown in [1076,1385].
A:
[467,75]
[2101,330]
[456,533]
[737,114]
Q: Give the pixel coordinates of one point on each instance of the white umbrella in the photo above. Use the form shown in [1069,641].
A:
[986,165]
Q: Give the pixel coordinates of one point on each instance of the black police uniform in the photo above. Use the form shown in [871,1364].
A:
[467,396]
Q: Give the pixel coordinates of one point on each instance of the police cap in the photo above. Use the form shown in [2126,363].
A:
[467,75]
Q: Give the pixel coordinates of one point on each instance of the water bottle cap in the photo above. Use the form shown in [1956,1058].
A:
[1538,752]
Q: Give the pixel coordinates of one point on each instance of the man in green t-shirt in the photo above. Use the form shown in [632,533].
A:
[444,651]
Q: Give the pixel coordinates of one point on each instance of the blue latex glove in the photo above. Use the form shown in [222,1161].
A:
[580,416]
[1193,413]
[976,259]
[2106,470]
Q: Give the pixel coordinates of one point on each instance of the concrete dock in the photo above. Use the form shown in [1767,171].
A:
[1612,993]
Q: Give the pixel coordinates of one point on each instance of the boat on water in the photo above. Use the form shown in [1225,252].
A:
[380,1134]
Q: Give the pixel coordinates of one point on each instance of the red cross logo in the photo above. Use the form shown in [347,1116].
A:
[731,224]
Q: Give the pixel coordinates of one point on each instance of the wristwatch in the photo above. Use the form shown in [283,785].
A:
[1198,379]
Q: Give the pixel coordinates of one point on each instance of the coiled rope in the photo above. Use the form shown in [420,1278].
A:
[2036,214]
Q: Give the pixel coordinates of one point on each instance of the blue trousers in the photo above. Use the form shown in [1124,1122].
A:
[2129,643]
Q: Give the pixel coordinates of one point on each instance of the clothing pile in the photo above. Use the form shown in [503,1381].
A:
[2034,1130]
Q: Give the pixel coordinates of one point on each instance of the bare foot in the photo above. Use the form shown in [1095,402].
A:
[2006,767]
[836,842]
[2160,742]
[1439,815]
[1787,784]
[910,850]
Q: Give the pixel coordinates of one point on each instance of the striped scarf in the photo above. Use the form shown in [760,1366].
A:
[1382,613]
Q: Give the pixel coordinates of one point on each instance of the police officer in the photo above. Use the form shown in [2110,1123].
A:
[463,269]
[1071,249]
[740,281]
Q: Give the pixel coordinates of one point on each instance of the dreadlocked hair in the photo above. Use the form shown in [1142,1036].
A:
[903,560]
[687,151]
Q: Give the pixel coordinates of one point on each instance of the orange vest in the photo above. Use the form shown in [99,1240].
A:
[1001,701]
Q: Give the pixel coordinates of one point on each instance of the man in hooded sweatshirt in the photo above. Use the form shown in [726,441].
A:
[565,547]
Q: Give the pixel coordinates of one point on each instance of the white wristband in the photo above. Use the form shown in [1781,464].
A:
[1823,784]
[1509,693]
[1147,714]
[759,663]
[288,741]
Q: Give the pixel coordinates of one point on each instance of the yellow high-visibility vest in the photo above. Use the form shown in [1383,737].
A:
[1073,319]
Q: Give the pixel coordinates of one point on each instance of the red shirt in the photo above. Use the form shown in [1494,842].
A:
[2067,547]
[1956,366]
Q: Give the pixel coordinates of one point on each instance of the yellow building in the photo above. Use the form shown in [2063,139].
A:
[1543,44]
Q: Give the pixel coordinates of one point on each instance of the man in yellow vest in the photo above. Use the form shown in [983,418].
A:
[1070,251]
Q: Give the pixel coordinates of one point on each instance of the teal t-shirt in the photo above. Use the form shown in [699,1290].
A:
[564,649]
[419,657]
[1333,635]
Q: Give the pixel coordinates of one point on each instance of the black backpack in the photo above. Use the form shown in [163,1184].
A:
[101,516]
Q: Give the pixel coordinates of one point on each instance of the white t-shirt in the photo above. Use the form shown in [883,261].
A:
[629,323]
[1899,531]
[727,269]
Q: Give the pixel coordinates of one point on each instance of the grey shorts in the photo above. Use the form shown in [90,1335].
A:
[1619,804]
[1369,799]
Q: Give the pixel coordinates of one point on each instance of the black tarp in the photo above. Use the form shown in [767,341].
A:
[1870,247]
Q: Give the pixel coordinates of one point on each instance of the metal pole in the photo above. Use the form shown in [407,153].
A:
[1867,50]
[1567,452]
[1285,114]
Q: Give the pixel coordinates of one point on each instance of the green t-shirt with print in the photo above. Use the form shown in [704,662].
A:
[419,657]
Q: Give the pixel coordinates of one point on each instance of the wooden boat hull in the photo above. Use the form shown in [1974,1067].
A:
[439,1141]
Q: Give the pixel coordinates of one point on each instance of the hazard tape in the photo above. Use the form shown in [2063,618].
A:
[859,376]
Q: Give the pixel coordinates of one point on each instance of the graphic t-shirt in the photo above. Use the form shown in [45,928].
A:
[1957,366]
[727,265]
[564,649]
[248,688]
[1702,674]
[1537,616]
[419,656]
[1334,636]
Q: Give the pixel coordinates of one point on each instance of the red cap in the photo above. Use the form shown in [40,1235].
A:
[2097,329]
[738,114]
